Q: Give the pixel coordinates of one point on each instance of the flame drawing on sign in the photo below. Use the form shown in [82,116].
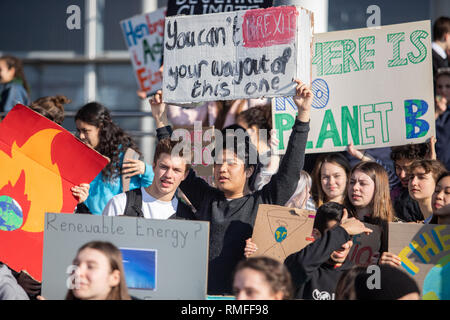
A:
[42,179]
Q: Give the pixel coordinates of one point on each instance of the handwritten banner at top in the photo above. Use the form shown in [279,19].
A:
[232,55]
[372,87]
[191,7]
[144,38]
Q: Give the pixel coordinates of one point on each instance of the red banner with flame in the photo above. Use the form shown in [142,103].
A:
[39,163]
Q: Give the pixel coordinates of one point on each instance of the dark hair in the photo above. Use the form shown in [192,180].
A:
[223,107]
[237,139]
[345,288]
[317,192]
[112,139]
[434,166]
[440,27]
[410,151]
[51,107]
[394,284]
[275,273]
[16,63]
[167,146]
[259,116]
[330,211]
[120,292]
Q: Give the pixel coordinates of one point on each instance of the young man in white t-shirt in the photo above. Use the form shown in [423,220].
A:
[158,199]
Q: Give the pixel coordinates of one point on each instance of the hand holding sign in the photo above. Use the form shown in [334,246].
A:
[391,259]
[250,248]
[353,226]
[81,192]
[159,111]
[133,167]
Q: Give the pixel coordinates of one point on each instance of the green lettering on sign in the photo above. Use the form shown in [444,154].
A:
[395,39]
[332,133]
[349,63]
[318,58]
[364,53]
[416,38]
[329,54]
[283,122]
[350,122]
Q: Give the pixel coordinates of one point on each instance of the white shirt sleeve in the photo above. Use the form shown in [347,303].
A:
[116,206]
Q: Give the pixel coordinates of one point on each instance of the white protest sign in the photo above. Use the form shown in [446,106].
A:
[232,55]
[163,259]
[144,38]
[372,87]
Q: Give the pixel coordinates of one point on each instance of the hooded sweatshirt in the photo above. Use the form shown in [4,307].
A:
[313,277]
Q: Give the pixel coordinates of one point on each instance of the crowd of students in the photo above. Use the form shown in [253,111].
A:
[343,195]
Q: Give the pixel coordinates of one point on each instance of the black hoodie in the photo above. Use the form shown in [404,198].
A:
[312,276]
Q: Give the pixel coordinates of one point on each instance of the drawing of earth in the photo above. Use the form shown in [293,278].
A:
[11,216]
[280,234]
[436,285]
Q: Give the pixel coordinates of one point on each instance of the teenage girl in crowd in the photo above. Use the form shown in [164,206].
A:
[14,88]
[262,278]
[370,201]
[97,130]
[330,179]
[99,274]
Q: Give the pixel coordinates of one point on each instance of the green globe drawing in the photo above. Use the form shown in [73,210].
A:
[11,216]
[436,285]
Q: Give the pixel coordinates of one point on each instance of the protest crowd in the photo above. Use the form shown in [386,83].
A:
[347,191]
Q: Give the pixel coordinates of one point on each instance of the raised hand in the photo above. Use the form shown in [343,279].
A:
[159,111]
[303,99]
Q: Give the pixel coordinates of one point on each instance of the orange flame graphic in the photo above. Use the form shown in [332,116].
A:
[43,184]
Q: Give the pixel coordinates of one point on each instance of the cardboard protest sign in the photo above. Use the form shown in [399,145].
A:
[41,162]
[366,247]
[280,231]
[163,259]
[191,7]
[231,55]
[372,87]
[144,39]
[425,254]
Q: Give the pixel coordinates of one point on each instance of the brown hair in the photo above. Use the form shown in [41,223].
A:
[168,146]
[119,292]
[440,28]
[19,74]
[434,166]
[51,107]
[317,192]
[382,210]
[223,107]
[345,288]
[275,273]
